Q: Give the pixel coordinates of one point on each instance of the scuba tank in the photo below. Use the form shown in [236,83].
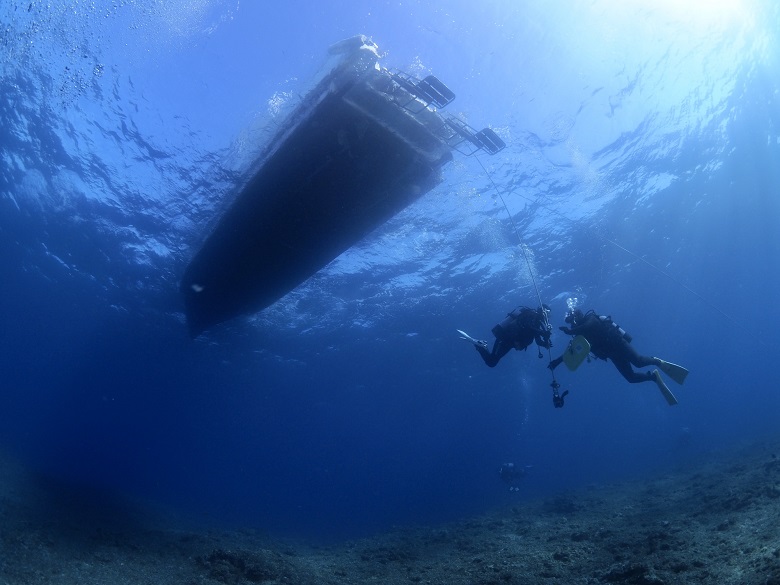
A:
[618,329]
[504,328]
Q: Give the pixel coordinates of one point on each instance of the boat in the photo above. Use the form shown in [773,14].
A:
[362,144]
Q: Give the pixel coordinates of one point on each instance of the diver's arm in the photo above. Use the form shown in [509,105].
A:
[543,339]
[569,331]
[580,328]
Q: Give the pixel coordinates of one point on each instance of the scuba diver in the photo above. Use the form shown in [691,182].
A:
[511,474]
[521,327]
[607,340]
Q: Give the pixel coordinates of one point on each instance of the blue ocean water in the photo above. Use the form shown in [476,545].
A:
[642,178]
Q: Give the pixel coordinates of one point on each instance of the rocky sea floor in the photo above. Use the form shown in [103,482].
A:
[716,521]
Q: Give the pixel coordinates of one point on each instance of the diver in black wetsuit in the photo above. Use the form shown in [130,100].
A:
[608,341]
[521,327]
[511,475]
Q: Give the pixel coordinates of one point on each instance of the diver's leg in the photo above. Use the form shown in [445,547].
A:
[500,349]
[624,367]
[640,361]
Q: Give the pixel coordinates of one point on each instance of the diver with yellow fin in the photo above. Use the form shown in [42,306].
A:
[605,339]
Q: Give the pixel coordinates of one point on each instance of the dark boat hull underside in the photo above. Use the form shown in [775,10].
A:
[352,162]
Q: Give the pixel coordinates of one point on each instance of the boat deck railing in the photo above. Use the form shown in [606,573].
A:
[431,93]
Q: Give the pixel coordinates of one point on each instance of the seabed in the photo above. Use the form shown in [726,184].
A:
[715,521]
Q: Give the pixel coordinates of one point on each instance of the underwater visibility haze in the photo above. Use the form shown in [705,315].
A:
[641,178]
